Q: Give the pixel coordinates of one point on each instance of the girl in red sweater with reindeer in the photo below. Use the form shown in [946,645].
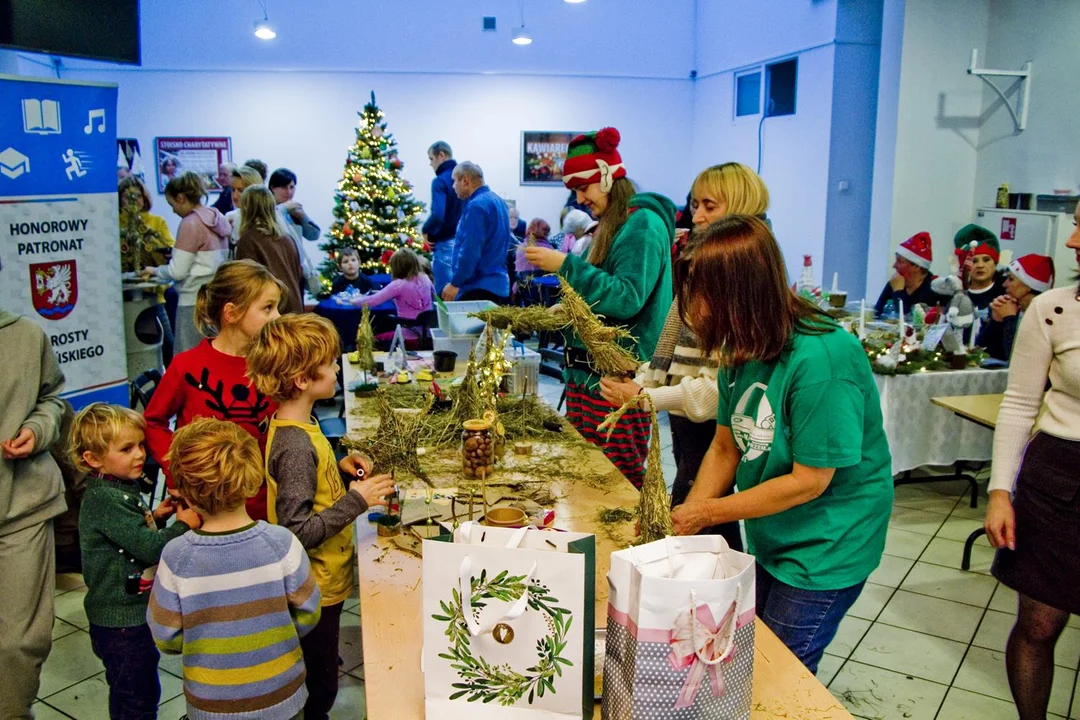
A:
[210,380]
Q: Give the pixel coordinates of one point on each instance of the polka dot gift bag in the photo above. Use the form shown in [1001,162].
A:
[680,631]
[509,624]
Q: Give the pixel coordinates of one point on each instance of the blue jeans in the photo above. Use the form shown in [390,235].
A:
[131,669]
[804,620]
[442,264]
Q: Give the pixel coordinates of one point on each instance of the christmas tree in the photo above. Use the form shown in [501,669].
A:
[375,211]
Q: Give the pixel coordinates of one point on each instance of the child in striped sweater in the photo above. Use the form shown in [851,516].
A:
[235,596]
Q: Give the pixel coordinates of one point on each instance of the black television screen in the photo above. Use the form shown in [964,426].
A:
[96,29]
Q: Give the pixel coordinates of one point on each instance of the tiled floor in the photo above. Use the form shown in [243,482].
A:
[925,640]
[73,679]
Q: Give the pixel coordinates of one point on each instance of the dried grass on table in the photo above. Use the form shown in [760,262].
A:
[534,318]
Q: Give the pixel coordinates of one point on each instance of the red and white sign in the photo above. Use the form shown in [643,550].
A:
[1008,228]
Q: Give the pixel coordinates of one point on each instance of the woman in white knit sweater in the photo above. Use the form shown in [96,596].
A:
[1033,516]
[680,378]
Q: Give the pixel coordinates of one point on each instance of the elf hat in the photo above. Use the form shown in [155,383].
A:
[593,158]
[917,250]
[976,240]
[1035,271]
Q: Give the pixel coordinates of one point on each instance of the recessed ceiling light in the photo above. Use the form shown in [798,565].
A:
[575,2]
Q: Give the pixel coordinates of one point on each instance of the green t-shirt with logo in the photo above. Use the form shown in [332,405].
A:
[817,405]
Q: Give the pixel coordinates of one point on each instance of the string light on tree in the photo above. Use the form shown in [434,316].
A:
[374,210]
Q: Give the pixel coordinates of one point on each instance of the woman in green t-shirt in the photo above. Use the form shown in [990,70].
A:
[799,433]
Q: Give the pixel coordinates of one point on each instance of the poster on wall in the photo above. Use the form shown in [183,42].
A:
[59,232]
[542,156]
[174,155]
[129,159]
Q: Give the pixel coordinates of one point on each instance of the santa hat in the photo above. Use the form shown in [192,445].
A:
[917,250]
[593,158]
[974,239]
[1035,271]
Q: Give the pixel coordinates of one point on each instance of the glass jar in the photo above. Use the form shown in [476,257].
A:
[477,448]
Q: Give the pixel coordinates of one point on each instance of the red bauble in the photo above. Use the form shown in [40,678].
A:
[346,231]
[385,257]
[356,177]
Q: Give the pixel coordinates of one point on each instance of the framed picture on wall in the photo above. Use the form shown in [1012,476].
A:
[542,155]
[175,155]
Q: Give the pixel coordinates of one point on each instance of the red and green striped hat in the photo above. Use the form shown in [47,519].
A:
[593,158]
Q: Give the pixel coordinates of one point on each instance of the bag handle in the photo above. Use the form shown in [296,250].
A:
[729,637]
[673,546]
[465,588]
[468,528]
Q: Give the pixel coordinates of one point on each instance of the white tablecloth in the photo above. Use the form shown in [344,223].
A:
[921,433]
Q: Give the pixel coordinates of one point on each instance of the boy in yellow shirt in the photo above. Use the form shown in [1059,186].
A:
[294,361]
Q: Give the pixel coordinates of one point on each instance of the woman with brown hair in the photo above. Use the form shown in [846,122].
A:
[679,377]
[626,277]
[799,432]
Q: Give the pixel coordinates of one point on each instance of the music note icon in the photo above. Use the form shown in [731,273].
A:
[98,114]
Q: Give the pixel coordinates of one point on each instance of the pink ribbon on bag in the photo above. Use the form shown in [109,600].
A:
[700,643]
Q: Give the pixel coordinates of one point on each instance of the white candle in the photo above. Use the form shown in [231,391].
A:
[835,281]
[901,321]
[862,319]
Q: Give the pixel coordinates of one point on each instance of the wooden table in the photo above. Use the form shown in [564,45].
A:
[390,593]
[979,409]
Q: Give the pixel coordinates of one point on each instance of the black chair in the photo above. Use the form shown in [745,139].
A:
[142,390]
[421,325]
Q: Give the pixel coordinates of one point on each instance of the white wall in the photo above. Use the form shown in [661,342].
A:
[937,129]
[795,148]
[305,121]
[1046,155]
[734,33]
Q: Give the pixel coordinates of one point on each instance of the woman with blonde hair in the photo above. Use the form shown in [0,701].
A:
[264,240]
[243,177]
[680,378]
[799,432]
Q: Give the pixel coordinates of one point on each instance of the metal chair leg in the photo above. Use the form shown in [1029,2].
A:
[965,562]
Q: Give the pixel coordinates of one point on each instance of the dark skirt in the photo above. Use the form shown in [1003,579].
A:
[1046,563]
[689,442]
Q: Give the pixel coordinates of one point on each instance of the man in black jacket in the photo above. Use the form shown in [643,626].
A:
[440,227]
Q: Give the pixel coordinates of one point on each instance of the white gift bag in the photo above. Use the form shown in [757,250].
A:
[680,631]
[509,621]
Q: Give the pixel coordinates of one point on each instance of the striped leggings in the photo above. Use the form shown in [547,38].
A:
[629,443]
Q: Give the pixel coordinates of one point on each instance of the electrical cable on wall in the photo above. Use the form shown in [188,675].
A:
[760,149]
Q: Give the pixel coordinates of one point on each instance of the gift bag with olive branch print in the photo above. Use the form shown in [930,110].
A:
[509,621]
[680,631]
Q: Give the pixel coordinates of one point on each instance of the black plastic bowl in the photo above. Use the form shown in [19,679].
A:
[445,360]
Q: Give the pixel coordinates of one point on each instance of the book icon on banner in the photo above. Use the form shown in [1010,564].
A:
[13,163]
[41,117]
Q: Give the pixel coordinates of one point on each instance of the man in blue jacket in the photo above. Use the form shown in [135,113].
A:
[481,242]
[441,224]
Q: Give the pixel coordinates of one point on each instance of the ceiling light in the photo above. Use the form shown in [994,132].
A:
[521,36]
[575,2]
[263,31]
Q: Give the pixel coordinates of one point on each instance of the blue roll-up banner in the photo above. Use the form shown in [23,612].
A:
[59,228]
